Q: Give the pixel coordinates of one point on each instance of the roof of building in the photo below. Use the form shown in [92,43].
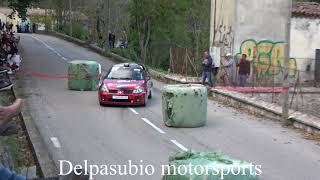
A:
[306,9]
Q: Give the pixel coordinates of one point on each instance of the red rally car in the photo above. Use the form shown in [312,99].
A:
[125,84]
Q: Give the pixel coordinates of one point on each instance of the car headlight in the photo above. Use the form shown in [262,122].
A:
[138,90]
[104,88]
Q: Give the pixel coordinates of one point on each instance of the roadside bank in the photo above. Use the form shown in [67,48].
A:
[15,150]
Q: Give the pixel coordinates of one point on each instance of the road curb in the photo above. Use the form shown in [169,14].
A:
[299,120]
[44,160]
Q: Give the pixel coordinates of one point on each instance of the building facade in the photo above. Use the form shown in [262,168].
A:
[258,29]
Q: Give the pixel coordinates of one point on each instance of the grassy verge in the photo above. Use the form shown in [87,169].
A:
[17,146]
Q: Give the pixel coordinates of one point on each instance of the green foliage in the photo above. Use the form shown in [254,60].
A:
[171,24]
[78,30]
[128,53]
[152,26]
[20,6]
[41,19]
[3,3]
[59,7]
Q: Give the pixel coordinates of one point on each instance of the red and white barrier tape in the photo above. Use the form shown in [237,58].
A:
[237,89]
[45,76]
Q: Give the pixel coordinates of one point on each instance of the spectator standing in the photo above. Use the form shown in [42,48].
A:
[27,28]
[228,65]
[124,40]
[110,39]
[7,26]
[34,28]
[11,27]
[113,39]
[244,70]
[207,65]
[18,28]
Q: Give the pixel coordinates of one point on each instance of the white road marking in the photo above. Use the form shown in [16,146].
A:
[134,111]
[50,48]
[179,145]
[152,125]
[55,142]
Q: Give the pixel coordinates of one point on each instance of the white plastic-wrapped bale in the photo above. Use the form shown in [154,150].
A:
[184,106]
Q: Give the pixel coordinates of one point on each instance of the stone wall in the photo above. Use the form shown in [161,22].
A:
[260,20]
[305,39]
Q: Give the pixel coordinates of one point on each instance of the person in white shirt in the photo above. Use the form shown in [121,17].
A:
[228,65]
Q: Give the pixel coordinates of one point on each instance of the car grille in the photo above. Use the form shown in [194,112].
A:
[124,91]
[113,91]
[128,91]
[120,100]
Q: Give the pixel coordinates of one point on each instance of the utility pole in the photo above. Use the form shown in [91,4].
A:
[286,72]
[70,16]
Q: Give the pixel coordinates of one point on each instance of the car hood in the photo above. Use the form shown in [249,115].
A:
[123,84]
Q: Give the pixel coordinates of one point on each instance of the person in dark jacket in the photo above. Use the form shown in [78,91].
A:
[113,37]
[110,39]
[207,65]
[34,28]
[244,70]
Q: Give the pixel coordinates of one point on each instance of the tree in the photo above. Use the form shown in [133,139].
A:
[142,13]
[59,14]
[152,26]
[157,26]
[20,6]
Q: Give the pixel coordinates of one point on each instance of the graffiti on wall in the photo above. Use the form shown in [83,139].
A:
[223,13]
[224,37]
[267,57]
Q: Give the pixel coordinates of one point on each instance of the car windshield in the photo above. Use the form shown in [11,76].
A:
[125,73]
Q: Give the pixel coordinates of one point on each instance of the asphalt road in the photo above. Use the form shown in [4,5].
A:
[76,128]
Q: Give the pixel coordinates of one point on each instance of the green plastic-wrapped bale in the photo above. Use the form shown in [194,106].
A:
[184,106]
[208,166]
[83,75]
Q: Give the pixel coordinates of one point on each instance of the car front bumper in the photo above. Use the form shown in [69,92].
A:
[133,99]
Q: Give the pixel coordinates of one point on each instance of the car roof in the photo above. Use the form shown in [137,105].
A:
[130,65]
